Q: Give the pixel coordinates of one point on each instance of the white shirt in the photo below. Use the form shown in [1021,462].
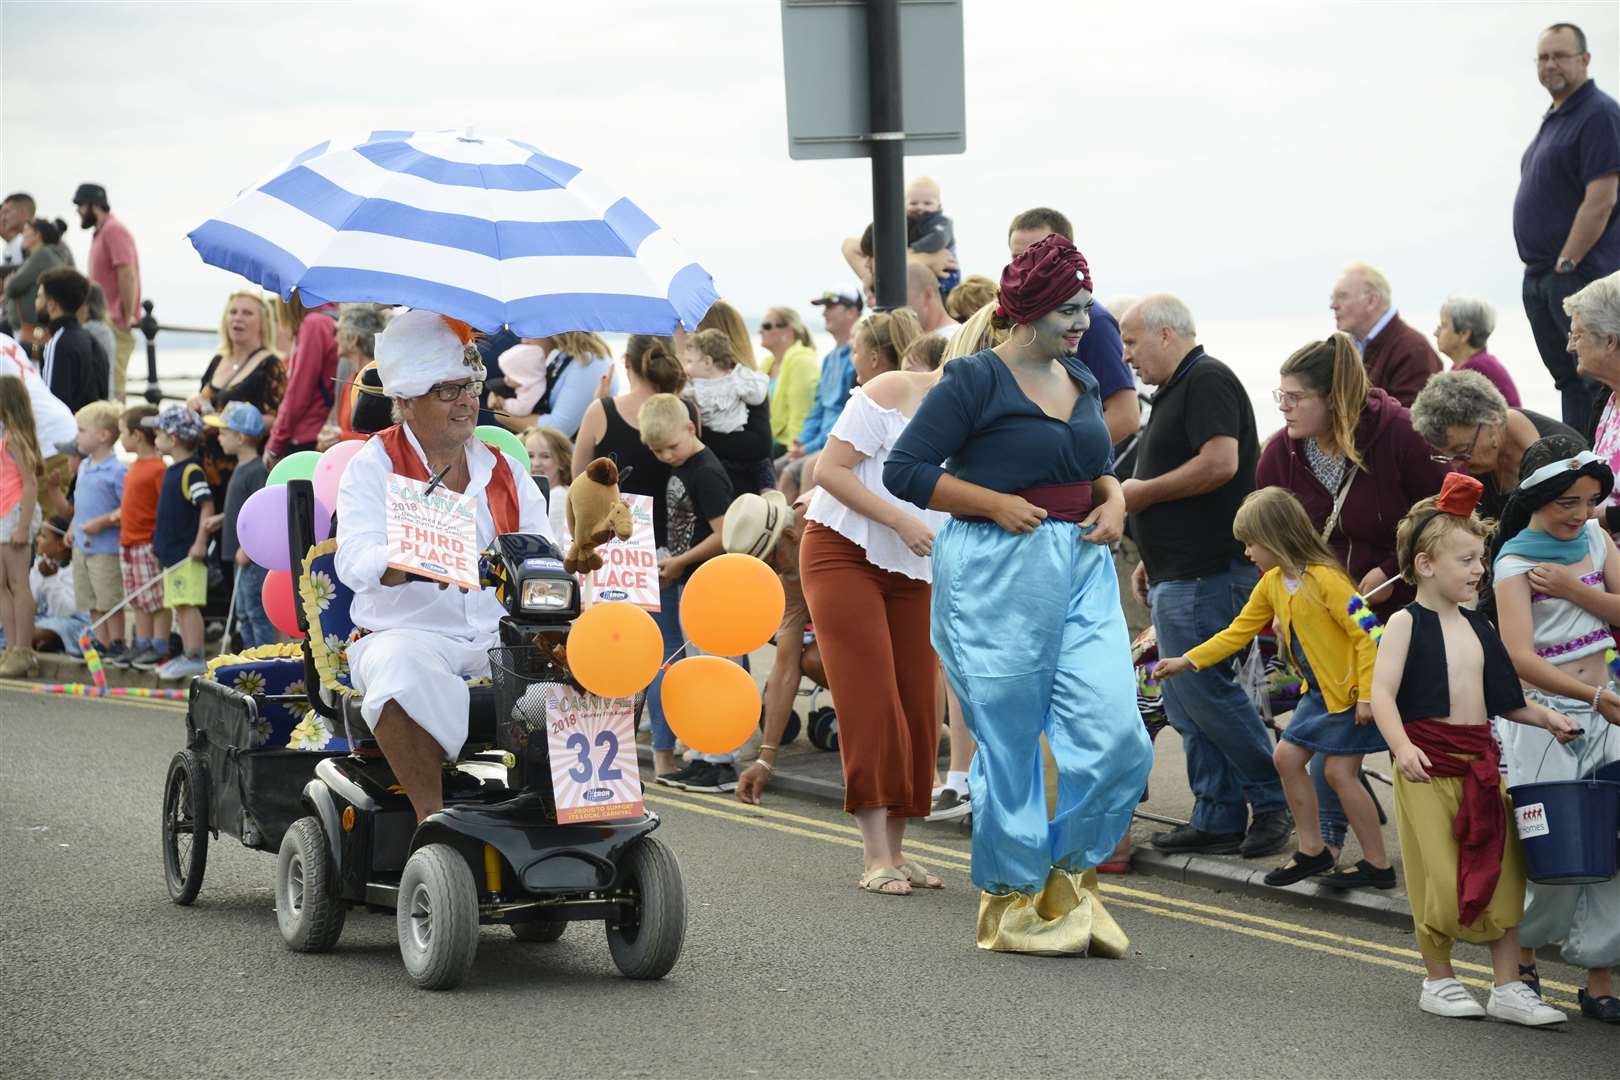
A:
[53,594]
[873,430]
[362,554]
[723,401]
[53,420]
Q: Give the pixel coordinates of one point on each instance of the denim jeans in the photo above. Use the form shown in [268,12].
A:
[1228,750]
[1544,295]
[668,618]
[251,621]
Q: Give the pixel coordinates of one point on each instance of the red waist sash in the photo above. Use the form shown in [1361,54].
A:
[1481,825]
[1062,502]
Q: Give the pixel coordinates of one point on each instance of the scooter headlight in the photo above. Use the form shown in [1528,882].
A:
[548,594]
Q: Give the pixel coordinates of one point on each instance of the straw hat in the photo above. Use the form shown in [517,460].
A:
[754,523]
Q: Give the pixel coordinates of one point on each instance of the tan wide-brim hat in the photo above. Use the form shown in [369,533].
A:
[754,524]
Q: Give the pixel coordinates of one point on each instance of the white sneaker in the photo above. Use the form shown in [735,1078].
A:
[1448,997]
[1517,1003]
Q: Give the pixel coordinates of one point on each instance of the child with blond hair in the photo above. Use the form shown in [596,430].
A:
[1442,673]
[1307,593]
[20,468]
[98,496]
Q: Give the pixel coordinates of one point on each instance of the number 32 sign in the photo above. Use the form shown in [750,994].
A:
[592,742]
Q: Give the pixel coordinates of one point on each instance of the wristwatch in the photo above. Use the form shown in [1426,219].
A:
[1565,265]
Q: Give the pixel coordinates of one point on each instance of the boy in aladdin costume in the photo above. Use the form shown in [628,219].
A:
[421,639]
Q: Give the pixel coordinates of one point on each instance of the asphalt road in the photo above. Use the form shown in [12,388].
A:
[789,970]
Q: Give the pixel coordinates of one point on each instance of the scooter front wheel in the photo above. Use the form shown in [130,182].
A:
[646,942]
[438,917]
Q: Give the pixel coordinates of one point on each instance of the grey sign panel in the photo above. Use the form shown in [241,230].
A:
[824,61]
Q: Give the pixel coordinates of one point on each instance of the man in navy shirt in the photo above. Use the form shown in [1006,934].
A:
[1564,218]
[1100,349]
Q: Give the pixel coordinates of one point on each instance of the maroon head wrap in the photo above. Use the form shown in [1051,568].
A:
[1041,279]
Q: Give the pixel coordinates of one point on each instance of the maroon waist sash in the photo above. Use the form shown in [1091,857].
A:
[1062,502]
[1481,825]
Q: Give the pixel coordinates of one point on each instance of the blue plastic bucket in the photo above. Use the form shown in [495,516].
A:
[1567,829]
[1611,773]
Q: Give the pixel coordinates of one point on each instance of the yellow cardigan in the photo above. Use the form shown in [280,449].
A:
[1339,651]
[793,390]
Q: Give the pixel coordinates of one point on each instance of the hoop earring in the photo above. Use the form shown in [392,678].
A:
[1031,341]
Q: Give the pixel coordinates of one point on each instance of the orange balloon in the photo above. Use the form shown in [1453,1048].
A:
[615,649]
[711,704]
[732,605]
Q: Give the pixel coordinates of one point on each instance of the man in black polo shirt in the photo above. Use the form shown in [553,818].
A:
[1564,218]
[1194,465]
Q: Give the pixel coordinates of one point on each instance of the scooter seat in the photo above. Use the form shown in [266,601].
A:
[480,719]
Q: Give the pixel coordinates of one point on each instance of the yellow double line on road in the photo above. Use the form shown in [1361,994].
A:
[1245,923]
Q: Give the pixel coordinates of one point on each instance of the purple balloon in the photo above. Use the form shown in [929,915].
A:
[261,527]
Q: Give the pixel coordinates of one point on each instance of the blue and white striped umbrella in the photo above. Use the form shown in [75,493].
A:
[488,230]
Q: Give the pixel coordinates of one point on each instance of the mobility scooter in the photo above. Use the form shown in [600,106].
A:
[345,835]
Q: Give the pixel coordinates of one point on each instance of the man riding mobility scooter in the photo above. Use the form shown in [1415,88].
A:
[345,832]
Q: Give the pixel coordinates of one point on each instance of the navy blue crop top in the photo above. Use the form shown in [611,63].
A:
[979,420]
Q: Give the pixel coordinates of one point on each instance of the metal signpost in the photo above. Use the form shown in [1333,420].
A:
[878,79]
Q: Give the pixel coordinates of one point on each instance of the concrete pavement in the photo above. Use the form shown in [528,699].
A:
[789,970]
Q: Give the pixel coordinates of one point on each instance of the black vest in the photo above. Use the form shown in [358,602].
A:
[1425,693]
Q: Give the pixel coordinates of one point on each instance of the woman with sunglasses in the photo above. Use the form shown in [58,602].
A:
[1471,427]
[793,369]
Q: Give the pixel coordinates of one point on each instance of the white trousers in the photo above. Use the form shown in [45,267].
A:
[423,673]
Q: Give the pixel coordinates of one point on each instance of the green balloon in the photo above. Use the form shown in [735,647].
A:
[502,440]
[299,466]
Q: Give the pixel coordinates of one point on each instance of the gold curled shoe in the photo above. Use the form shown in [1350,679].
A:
[1108,940]
[1012,923]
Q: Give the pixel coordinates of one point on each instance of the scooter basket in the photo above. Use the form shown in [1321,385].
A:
[523,675]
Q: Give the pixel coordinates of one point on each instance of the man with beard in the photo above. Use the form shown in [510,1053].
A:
[1564,218]
[116,267]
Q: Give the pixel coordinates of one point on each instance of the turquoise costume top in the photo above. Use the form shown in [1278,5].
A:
[1030,632]
[993,435]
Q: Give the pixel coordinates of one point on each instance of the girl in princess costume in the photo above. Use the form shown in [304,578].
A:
[1026,614]
[1557,577]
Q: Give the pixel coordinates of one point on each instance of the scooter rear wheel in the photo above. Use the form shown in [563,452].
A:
[438,917]
[185,826]
[308,912]
[646,943]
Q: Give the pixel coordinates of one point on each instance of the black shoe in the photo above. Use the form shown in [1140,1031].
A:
[1300,867]
[1186,840]
[1605,1008]
[679,777]
[1268,834]
[712,777]
[1362,874]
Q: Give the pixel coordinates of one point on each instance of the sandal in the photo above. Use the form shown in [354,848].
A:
[1530,977]
[875,880]
[1299,867]
[1363,873]
[920,876]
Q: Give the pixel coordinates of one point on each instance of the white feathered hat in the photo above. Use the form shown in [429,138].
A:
[420,349]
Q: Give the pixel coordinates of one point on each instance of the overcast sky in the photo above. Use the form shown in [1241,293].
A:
[1237,153]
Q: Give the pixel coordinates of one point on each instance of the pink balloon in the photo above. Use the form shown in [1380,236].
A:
[261,527]
[329,470]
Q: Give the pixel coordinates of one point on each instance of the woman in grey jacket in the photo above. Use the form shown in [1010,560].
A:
[42,243]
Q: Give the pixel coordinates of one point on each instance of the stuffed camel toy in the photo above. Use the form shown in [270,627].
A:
[595,515]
